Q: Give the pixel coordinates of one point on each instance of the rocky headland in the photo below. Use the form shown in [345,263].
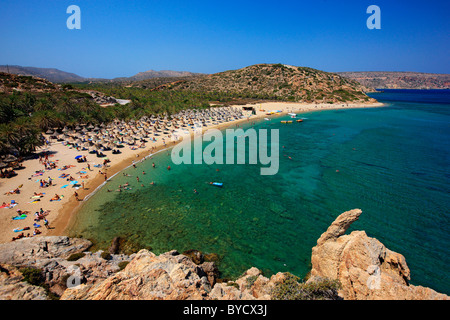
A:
[349,267]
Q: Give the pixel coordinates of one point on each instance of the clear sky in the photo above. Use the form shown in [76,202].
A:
[122,38]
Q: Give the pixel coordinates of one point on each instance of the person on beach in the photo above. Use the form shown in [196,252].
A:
[76,196]
[46,223]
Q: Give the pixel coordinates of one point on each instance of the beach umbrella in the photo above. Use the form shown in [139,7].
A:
[9,158]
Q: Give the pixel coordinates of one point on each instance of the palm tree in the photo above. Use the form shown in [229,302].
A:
[9,134]
[47,119]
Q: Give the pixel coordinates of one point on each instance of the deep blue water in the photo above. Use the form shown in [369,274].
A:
[392,162]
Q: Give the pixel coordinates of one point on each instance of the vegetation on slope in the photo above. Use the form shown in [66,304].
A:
[276,82]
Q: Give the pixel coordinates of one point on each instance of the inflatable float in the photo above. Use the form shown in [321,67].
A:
[217,184]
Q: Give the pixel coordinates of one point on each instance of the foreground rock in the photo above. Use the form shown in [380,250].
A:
[366,269]
[354,267]
[36,250]
[13,287]
[60,259]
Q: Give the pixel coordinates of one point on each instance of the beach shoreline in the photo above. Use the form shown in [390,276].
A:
[62,213]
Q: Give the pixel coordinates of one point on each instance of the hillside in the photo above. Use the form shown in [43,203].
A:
[38,88]
[276,82]
[152,74]
[50,74]
[12,82]
[399,80]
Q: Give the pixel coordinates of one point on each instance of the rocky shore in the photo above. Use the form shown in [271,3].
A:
[350,267]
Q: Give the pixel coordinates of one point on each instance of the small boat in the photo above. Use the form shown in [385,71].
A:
[299,120]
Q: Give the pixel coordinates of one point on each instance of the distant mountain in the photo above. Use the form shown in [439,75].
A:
[399,80]
[150,74]
[58,76]
[276,82]
[50,74]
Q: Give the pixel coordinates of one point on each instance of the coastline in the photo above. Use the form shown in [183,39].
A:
[62,212]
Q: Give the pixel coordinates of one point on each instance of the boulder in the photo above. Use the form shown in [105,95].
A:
[366,269]
[13,286]
[148,277]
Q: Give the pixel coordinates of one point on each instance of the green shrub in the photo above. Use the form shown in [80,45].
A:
[250,281]
[105,255]
[232,284]
[76,256]
[33,276]
[291,288]
[123,264]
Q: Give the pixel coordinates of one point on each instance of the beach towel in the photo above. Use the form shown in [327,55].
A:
[9,206]
[20,217]
[66,185]
[73,182]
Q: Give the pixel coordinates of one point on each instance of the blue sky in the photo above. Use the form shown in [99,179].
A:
[121,38]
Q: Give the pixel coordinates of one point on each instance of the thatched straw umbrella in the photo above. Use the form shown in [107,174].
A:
[9,158]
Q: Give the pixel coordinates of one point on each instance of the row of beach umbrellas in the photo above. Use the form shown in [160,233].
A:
[114,134]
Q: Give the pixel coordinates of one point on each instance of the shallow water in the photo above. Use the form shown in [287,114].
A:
[391,162]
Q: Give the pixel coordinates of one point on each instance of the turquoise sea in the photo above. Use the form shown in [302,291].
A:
[392,162]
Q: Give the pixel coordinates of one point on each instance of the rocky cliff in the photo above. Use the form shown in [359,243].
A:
[366,269]
[399,80]
[352,266]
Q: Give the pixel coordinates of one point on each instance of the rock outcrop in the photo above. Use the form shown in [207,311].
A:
[363,266]
[13,287]
[29,251]
[60,260]
[366,269]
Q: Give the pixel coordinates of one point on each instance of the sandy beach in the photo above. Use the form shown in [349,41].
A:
[59,213]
